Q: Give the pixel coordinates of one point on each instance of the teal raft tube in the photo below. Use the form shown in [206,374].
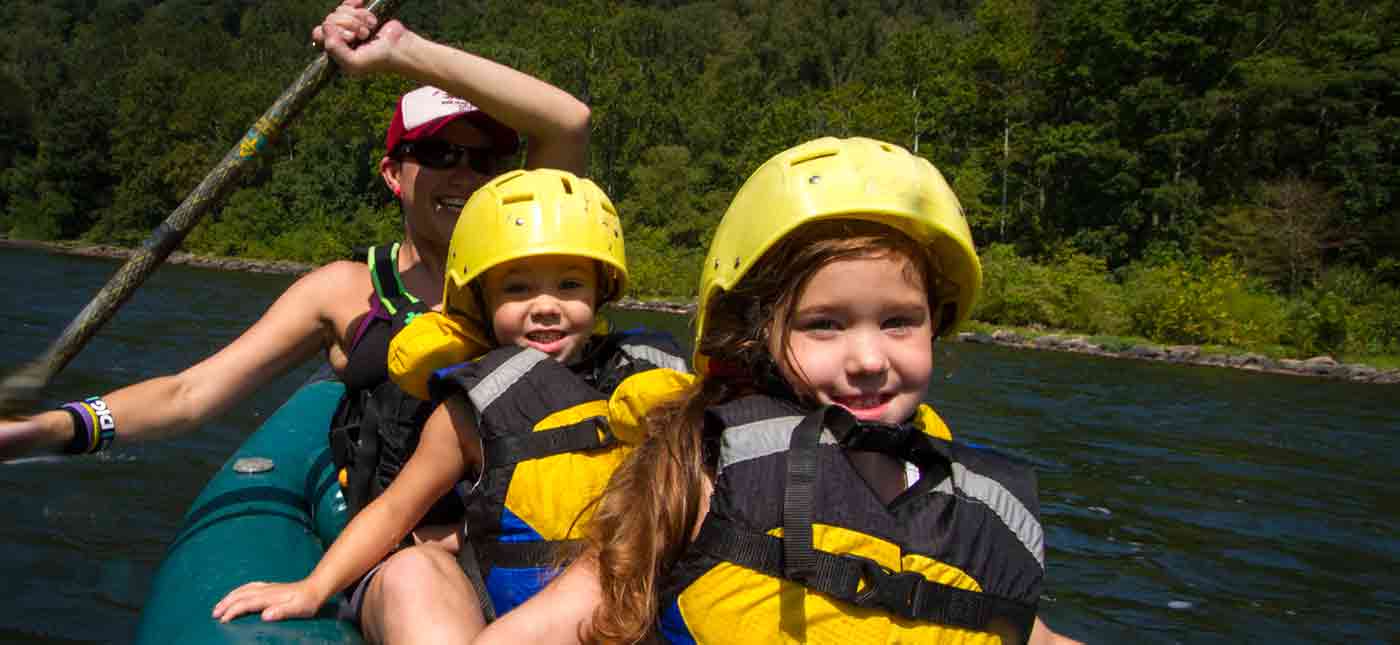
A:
[253,522]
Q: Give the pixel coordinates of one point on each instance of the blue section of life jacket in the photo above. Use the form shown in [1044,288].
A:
[672,625]
[511,587]
[514,529]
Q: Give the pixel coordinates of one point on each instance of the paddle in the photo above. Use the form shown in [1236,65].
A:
[20,391]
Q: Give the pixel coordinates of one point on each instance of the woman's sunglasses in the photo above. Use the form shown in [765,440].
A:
[441,155]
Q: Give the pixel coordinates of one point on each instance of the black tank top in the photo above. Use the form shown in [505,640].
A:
[367,363]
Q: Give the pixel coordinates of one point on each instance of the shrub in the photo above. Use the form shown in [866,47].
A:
[1011,286]
[1374,327]
[655,268]
[312,243]
[1191,302]
[1083,297]
[1352,310]
[1318,323]
[1075,292]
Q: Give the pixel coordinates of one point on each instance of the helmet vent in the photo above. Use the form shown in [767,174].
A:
[815,155]
[568,187]
[517,198]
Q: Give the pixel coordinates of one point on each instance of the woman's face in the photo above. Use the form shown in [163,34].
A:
[433,198]
[861,336]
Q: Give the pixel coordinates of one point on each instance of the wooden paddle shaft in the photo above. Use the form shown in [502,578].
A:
[21,389]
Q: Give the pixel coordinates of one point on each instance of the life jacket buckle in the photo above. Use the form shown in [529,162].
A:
[602,425]
[898,593]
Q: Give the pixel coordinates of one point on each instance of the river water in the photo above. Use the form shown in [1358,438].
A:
[1181,504]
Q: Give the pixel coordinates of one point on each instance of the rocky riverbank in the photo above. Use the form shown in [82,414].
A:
[1320,366]
[177,257]
[1324,366]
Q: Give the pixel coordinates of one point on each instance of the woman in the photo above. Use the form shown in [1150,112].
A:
[440,150]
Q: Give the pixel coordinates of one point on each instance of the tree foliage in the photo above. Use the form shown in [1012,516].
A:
[1108,129]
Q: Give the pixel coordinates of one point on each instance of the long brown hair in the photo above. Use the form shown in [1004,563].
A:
[651,507]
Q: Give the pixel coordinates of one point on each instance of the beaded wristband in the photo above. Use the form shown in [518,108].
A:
[94,428]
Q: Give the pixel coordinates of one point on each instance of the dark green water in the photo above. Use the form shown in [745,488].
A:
[1182,504]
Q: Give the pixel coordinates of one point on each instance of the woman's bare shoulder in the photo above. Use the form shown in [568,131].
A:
[338,292]
[335,281]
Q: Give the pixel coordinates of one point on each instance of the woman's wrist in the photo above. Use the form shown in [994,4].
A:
[52,430]
[405,57]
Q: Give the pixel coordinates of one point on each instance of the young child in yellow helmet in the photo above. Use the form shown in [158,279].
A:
[528,422]
[800,491]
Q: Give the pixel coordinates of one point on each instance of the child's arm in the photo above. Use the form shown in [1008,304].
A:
[557,614]
[430,473]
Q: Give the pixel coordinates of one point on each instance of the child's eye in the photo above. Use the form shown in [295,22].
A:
[901,323]
[819,324]
[570,284]
[515,288]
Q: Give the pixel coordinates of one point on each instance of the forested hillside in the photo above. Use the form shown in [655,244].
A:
[1095,144]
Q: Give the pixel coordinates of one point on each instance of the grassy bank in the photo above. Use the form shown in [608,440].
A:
[1347,313]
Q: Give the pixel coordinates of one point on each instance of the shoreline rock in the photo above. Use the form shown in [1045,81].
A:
[677,308]
[1318,366]
[284,267]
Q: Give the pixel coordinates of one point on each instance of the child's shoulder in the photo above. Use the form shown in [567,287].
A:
[641,349]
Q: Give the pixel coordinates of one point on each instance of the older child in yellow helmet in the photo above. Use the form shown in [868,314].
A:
[529,422]
[801,491]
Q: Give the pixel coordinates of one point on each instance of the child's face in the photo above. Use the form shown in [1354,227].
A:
[544,302]
[861,337]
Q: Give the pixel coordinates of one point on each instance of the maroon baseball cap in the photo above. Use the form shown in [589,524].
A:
[425,111]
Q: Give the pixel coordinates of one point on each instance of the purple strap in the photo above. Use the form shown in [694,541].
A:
[375,311]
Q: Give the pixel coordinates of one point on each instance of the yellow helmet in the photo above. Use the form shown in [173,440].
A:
[520,214]
[836,179]
[527,213]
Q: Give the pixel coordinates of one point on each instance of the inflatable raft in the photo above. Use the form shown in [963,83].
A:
[268,514]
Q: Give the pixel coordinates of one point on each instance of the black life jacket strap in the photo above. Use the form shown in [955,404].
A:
[471,566]
[505,451]
[864,582]
[521,555]
[384,271]
[799,490]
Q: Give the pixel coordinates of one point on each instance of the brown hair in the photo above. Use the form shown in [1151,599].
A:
[650,509]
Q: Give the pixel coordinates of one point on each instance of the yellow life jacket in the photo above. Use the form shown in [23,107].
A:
[796,547]
[551,440]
